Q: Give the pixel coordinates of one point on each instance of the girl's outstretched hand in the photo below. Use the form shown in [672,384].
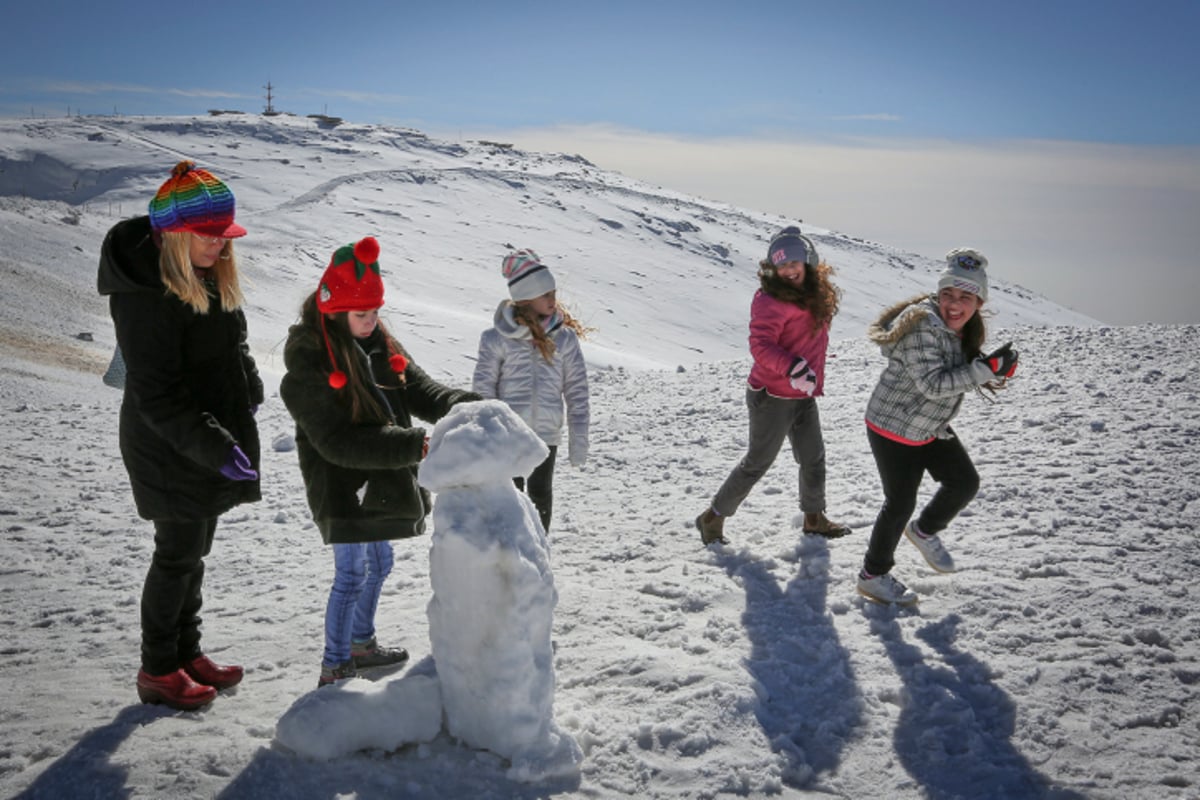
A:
[1002,361]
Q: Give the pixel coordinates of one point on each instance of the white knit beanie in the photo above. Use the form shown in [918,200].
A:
[966,269]
[527,276]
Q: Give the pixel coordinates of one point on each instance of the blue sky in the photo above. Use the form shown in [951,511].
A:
[1057,135]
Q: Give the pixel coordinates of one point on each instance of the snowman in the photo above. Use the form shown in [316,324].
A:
[492,610]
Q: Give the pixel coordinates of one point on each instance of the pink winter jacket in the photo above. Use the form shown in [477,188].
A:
[780,334]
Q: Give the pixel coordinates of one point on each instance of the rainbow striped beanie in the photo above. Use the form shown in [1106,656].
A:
[527,276]
[192,199]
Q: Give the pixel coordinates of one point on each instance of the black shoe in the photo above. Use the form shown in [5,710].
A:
[331,675]
[369,654]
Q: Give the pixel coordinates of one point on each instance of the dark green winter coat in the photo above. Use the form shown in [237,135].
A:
[361,479]
[190,386]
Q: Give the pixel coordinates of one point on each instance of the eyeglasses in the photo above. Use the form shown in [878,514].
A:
[968,262]
[209,239]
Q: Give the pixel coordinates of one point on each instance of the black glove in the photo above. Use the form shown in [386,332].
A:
[1002,362]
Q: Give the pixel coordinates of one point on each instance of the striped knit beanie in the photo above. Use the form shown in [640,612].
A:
[527,276]
[194,200]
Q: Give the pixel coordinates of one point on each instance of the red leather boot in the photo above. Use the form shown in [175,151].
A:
[203,670]
[175,690]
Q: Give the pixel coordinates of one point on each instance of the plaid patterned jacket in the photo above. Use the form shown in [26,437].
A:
[922,386]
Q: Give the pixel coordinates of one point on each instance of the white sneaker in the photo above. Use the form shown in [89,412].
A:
[931,548]
[885,589]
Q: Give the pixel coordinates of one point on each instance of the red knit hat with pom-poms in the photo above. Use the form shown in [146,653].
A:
[351,283]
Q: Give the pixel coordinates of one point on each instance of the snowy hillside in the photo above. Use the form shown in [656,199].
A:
[665,278]
[1061,661]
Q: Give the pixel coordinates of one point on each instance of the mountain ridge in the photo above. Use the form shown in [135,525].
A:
[445,213]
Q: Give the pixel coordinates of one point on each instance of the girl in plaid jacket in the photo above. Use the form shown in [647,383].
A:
[932,344]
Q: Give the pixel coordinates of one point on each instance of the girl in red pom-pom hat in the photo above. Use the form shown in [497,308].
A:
[353,391]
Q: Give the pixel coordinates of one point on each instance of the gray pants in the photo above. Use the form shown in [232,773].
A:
[771,419]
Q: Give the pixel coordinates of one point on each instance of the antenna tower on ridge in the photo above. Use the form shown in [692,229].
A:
[270,111]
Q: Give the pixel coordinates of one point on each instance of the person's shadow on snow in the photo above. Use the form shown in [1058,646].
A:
[808,705]
[86,770]
[954,733]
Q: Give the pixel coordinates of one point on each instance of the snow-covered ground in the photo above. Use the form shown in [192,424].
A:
[1062,660]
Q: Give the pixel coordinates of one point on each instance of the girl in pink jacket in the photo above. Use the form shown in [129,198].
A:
[789,334]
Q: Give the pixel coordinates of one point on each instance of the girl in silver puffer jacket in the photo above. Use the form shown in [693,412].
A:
[531,359]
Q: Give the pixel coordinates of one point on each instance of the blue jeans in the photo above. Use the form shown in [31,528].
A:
[359,572]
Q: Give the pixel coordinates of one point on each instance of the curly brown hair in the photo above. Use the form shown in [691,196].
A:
[816,294]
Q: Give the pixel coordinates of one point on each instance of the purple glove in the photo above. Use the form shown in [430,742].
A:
[237,466]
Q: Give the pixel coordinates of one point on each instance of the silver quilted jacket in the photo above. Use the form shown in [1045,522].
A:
[511,369]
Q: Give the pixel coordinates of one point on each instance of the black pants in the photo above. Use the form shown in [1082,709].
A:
[541,487]
[171,596]
[901,468]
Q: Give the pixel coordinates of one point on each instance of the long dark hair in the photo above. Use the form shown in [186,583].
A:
[974,333]
[358,393]
[816,294]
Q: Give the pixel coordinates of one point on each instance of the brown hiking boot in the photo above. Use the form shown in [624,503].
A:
[819,525]
[712,528]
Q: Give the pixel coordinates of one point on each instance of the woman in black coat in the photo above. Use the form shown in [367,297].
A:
[353,392]
[188,436]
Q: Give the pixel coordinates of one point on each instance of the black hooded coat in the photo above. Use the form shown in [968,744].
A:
[190,390]
[361,479]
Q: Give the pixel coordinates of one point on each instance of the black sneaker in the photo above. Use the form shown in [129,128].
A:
[365,655]
[331,675]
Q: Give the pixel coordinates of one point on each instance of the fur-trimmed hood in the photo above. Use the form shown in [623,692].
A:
[896,321]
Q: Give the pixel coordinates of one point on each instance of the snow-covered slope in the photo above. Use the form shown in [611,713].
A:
[664,278]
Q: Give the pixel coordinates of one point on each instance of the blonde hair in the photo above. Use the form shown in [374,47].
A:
[524,314]
[175,267]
